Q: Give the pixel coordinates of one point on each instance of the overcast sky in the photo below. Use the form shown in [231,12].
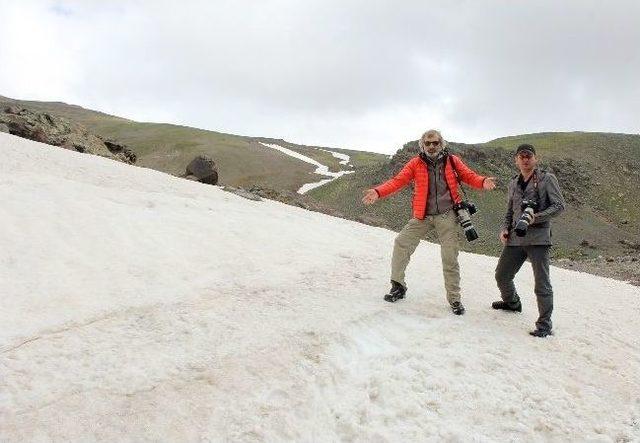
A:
[368,75]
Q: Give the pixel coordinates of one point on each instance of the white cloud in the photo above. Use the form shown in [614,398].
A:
[368,75]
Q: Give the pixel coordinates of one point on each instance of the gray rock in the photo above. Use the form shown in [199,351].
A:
[588,244]
[15,110]
[242,193]
[4,128]
[46,128]
[120,150]
[204,168]
[630,244]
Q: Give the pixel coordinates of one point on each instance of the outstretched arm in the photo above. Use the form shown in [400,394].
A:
[402,179]
[470,177]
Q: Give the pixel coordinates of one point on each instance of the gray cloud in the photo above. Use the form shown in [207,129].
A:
[368,75]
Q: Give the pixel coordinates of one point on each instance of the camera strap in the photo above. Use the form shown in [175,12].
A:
[455,173]
[535,187]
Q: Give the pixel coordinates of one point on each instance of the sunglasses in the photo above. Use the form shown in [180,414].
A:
[428,143]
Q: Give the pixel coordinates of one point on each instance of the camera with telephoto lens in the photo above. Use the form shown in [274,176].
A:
[464,210]
[528,209]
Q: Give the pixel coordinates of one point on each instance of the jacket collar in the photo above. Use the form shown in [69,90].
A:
[537,173]
[432,161]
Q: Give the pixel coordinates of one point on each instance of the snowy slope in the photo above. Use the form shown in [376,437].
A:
[136,306]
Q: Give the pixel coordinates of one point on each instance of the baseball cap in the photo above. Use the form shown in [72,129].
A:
[526,148]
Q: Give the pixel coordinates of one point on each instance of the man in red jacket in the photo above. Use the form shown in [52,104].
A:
[435,174]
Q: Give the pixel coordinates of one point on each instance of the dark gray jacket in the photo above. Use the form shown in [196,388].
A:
[439,200]
[550,204]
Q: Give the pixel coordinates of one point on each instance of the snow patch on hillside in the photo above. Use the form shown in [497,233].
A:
[321,169]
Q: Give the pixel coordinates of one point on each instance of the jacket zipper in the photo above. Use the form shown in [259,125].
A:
[435,178]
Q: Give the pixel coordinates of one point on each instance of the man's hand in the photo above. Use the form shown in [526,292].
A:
[370,196]
[489,183]
[504,236]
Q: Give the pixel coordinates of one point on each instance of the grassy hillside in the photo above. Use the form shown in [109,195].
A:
[610,166]
[241,160]
[599,175]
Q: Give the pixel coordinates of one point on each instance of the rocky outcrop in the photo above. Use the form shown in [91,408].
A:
[52,130]
[631,245]
[202,169]
[258,193]
[625,268]
[574,180]
[242,193]
[294,199]
[120,150]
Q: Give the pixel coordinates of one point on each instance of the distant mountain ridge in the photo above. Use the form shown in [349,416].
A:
[599,174]
[241,160]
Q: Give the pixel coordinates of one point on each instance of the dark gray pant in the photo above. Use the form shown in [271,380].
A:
[511,260]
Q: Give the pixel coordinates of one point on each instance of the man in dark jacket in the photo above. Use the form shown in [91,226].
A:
[534,197]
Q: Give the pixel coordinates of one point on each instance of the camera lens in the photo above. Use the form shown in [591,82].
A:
[523,223]
[471,234]
[465,221]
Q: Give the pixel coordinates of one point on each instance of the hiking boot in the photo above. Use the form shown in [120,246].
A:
[504,306]
[457,308]
[542,333]
[396,293]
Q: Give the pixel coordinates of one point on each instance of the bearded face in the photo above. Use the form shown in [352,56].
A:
[431,145]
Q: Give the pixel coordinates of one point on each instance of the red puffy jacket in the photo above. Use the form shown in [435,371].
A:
[416,170]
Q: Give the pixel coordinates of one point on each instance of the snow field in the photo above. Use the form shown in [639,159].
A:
[137,306]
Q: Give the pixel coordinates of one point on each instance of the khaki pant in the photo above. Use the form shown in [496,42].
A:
[448,232]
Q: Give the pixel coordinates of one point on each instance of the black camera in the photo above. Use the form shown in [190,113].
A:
[528,209]
[464,210]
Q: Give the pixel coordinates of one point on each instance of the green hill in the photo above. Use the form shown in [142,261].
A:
[598,172]
[241,160]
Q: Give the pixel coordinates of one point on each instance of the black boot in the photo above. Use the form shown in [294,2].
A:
[457,308]
[396,293]
[504,306]
[542,333]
